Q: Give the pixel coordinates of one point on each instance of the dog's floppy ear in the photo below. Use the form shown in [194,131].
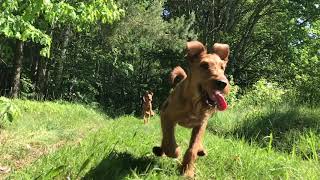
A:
[222,50]
[195,48]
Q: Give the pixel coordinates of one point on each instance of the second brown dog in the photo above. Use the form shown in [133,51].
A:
[147,106]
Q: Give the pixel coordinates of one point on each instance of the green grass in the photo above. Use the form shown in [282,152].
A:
[294,130]
[42,128]
[267,143]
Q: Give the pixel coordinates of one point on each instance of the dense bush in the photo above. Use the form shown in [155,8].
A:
[262,93]
[307,84]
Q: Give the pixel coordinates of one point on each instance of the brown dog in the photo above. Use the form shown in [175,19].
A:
[147,106]
[194,99]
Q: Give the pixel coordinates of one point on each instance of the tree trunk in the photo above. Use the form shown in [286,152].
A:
[239,50]
[34,66]
[17,67]
[41,77]
[59,64]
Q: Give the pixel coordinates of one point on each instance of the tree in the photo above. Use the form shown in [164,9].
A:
[261,32]
[19,20]
[119,62]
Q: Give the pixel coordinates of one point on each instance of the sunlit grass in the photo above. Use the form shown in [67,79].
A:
[294,129]
[266,143]
[42,128]
[123,150]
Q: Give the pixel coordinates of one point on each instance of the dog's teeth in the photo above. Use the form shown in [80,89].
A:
[207,101]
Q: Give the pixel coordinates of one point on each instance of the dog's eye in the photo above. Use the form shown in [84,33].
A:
[204,65]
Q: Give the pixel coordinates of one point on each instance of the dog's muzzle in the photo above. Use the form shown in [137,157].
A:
[220,84]
[215,98]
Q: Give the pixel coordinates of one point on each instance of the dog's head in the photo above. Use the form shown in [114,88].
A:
[147,97]
[207,71]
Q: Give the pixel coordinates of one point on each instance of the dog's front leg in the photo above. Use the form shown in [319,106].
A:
[168,144]
[195,147]
[145,118]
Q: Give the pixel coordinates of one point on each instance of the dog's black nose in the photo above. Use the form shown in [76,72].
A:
[220,84]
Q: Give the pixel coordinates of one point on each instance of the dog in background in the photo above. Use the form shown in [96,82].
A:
[193,100]
[147,106]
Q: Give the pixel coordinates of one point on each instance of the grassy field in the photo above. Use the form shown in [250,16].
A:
[58,140]
[42,128]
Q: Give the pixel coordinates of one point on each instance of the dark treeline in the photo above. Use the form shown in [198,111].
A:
[112,60]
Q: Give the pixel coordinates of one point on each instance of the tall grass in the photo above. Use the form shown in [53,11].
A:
[269,116]
[42,128]
[122,150]
[262,136]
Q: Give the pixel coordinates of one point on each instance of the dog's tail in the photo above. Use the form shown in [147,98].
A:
[177,72]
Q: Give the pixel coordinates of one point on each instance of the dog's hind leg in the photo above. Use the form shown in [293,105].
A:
[195,147]
[148,117]
[145,120]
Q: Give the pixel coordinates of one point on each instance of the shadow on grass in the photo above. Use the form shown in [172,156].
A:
[286,126]
[119,165]
[277,122]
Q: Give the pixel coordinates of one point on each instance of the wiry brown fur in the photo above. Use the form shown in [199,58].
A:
[186,104]
[147,106]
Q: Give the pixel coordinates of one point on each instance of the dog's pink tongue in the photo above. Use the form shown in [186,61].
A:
[221,102]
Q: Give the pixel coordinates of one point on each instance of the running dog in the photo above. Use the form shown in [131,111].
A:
[147,106]
[193,100]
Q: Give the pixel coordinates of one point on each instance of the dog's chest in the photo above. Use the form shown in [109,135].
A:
[147,105]
[186,112]
[194,116]
[191,121]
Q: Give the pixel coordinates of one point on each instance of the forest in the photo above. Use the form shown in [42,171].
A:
[107,53]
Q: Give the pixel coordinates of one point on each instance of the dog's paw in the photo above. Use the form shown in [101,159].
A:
[172,152]
[157,151]
[201,152]
[187,172]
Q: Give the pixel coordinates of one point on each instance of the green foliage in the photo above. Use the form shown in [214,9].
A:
[232,97]
[8,111]
[265,37]
[305,70]
[262,93]
[80,91]
[19,19]
[15,27]
[27,88]
[146,47]
[117,63]
[99,54]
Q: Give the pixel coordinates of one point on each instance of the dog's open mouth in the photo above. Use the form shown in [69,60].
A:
[216,99]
